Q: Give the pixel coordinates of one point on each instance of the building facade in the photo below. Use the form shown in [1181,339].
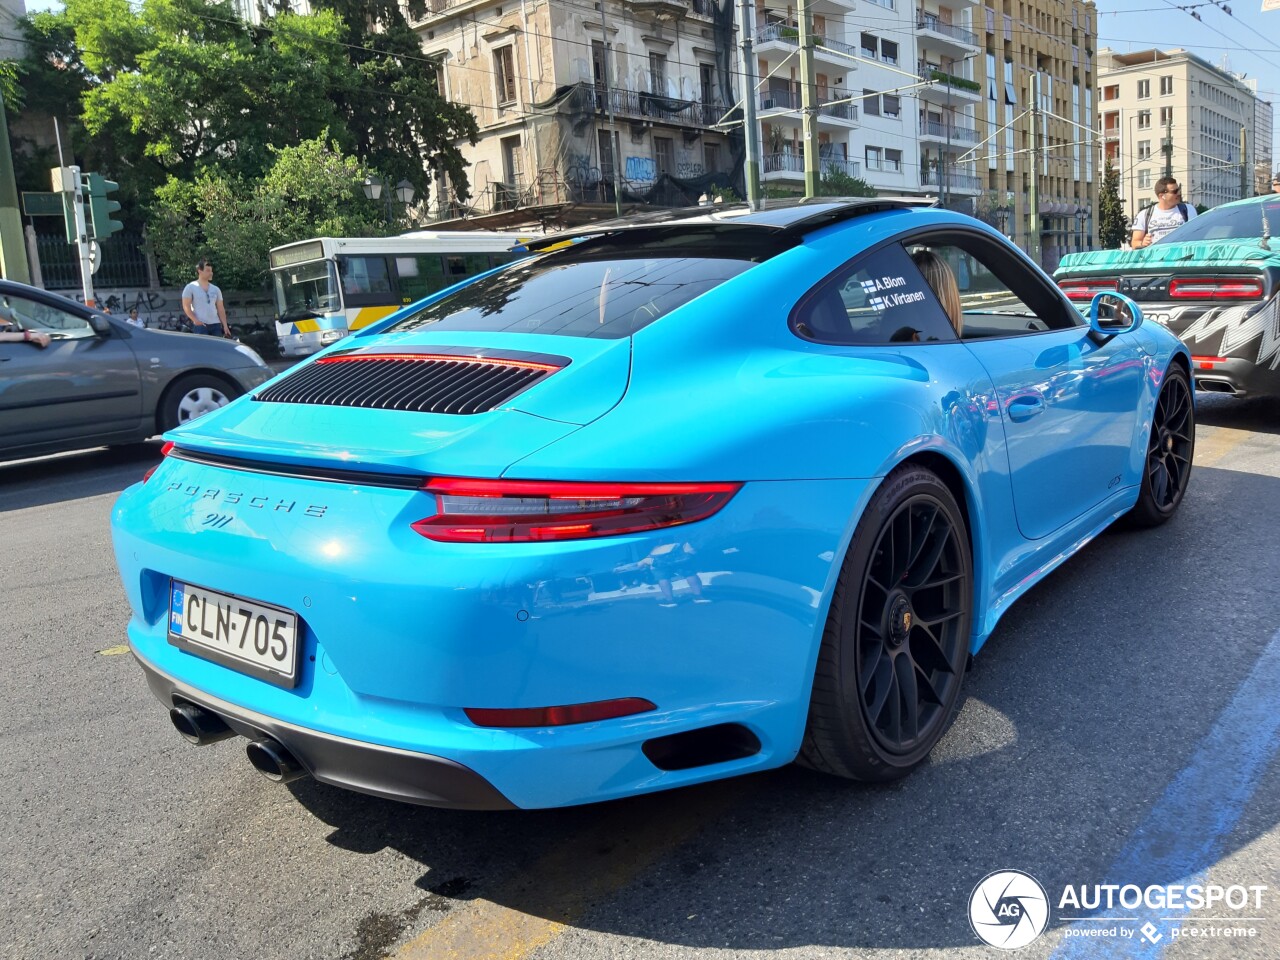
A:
[1172,113]
[586,108]
[636,100]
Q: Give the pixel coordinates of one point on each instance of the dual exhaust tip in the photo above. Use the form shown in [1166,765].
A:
[268,756]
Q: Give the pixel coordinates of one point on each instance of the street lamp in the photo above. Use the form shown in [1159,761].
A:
[373,190]
[1002,220]
[1081,214]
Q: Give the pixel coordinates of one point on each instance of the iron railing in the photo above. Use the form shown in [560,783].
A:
[932,128]
[957,181]
[788,100]
[928,21]
[123,262]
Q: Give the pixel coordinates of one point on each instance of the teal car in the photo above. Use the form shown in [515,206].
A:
[1213,281]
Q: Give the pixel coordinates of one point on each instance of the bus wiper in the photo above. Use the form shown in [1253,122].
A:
[1266,230]
[299,313]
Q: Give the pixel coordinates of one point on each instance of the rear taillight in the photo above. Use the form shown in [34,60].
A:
[558,716]
[1207,363]
[164,452]
[510,511]
[1086,289]
[1215,288]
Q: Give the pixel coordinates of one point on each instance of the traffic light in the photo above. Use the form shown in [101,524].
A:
[100,208]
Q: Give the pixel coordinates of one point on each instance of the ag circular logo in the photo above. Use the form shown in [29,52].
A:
[1008,909]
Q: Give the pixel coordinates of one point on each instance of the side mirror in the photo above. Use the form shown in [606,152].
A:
[1113,313]
[101,325]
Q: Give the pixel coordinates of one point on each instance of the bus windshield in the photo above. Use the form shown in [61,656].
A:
[306,289]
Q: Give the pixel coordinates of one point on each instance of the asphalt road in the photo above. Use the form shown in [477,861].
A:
[1118,728]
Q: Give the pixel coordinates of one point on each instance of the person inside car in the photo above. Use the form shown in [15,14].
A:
[8,333]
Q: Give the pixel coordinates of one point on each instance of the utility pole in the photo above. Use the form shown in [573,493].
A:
[610,137]
[1244,169]
[750,129]
[67,180]
[1033,195]
[944,165]
[13,249]
[808,108]
[1167,147]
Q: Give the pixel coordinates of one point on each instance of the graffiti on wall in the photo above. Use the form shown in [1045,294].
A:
[641,168]
[122,301]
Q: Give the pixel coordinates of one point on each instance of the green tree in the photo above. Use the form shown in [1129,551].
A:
[1112,223]
[310,190]
[837,183]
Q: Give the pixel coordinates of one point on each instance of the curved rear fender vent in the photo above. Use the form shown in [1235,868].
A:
[701,748]
[436,382]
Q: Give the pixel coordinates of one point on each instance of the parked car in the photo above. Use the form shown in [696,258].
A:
[1214,281]
[103,381]
[669,500]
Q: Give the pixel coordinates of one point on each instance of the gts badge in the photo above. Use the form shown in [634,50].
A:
[218,497]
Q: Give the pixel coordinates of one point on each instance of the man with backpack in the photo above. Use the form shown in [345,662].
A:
[1166,214]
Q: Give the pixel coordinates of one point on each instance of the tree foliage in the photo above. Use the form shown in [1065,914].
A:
[310,190]
[170,96]
[837,183]
[1112,223]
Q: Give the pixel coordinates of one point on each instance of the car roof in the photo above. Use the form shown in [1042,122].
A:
[777,218]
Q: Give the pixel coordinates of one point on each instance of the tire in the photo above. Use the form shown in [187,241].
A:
[896,642]
[1170,450]
[192,396]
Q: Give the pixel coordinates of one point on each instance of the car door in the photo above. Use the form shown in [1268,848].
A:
[1068,400]
[83,386]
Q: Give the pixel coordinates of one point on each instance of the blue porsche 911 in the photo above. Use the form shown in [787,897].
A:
[665,501]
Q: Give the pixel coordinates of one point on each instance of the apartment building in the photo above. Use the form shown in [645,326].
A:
[1048,46]
[585,108]
[1170,110]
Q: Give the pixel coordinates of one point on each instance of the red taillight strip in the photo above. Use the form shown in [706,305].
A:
[446,357]
[527,511]
[165,450]
[558,716]
[1215,288]
[1085,289]
[1208,363]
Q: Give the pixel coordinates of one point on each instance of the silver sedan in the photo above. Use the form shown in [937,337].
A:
[101,381]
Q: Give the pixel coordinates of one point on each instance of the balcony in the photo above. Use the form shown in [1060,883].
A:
[947,87]
[788,34]
[933,130]
[788,102]
[945,34]
[661,9]
[962,182]
[790,166]
[641,105]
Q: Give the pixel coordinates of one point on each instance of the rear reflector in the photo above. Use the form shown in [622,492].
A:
[1208,363]
[165,450]
[513,511]
[559,716]
[1215,288]
[1087,289]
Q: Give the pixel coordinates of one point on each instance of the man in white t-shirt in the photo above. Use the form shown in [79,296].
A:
[202,303]
[1167,214]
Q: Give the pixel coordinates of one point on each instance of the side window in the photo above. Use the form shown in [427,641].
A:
[365,280]
[999,296]
[878,298]
[419,276]
[463,265]
[20,313]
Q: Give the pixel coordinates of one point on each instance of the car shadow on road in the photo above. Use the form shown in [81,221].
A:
[1260,414]
[1083,707]
[72,476]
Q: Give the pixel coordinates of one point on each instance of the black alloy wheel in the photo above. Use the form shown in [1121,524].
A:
[894,652]
[1170,450]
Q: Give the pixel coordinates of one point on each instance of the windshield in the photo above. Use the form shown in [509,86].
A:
[610,296]
[1248,221]
[306,290]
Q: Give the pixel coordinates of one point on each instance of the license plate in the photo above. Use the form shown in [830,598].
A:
[246,635]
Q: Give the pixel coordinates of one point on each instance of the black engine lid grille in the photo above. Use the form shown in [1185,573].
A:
[443,380]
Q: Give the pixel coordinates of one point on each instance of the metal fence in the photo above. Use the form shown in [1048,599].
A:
[123,262]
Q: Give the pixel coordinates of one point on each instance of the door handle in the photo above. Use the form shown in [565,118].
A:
[1024,408]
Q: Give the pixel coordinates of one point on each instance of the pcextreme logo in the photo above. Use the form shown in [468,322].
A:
[1008,909]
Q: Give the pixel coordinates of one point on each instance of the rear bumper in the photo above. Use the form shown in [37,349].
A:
[1234,376]
[365,767]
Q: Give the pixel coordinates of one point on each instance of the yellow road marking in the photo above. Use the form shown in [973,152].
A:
[114,651]
[1214,447]
[579,872]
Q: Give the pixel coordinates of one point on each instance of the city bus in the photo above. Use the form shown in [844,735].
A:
[327,287]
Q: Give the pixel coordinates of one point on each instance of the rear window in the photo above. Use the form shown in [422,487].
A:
[607,297]
[1249,221]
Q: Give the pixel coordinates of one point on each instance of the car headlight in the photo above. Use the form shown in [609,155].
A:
[329,336]
[251,353]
